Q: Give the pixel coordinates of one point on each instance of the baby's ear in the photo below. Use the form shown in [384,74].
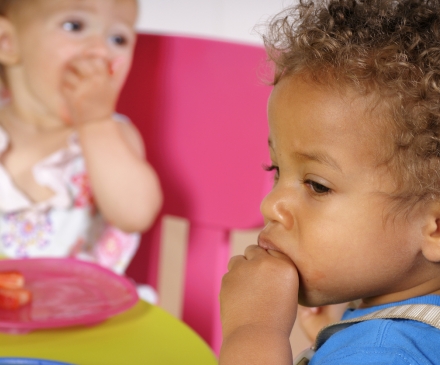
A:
[8,43]
[431,232]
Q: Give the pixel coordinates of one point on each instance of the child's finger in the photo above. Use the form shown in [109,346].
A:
[253,251]
[100,65]
[70,79]
[312,320]
[79,68]
[234,260]
[309,311]
[89,66]
[279,255]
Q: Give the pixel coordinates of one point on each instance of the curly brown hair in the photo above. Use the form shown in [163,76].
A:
[4,5]
[388,47]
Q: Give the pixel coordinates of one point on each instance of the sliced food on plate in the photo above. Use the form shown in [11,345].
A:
[13,294]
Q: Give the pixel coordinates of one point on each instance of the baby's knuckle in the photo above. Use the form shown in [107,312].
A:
[290,273]
[226,279]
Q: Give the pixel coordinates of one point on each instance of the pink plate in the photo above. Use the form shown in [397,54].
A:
[66,292]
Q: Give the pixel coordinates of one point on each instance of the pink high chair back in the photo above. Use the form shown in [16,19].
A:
[200,106]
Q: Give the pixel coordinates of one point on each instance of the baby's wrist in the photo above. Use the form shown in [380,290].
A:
[96,126]
[261,328]
[93,122]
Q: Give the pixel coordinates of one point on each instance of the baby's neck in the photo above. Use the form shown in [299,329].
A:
[30,122]
[429,287]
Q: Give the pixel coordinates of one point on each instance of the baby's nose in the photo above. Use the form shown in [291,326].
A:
[98,47]
[276,208]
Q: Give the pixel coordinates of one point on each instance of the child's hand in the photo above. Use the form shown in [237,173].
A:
[260,289]
[90,87]
[312,320]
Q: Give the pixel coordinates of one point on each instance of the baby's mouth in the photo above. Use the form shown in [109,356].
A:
[267,244]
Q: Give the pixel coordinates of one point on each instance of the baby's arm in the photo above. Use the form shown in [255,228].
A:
[258,307]
[125,187]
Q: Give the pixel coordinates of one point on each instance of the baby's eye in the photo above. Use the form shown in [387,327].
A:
[317,187]
[73,26]
[119,40]
[273,168]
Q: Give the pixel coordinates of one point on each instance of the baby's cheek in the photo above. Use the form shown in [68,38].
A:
[316,269]
[318,287]
[311,276]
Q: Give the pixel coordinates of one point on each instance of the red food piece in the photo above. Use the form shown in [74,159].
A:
[14,298]
[11,280]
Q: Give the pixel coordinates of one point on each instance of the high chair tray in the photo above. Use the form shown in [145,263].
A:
[66,292]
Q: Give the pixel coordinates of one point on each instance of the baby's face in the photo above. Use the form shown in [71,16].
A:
[51,33]
[327,210]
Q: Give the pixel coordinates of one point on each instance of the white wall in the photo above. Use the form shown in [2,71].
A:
[231,20]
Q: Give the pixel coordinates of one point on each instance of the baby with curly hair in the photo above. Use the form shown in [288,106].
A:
[354,213]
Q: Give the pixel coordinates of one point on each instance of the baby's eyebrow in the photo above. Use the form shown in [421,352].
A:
[320,157]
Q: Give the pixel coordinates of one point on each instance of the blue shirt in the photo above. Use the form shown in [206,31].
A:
[383,341]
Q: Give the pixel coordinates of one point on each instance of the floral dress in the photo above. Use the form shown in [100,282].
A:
[65,225]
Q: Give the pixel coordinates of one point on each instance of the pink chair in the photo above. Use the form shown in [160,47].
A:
[201,108]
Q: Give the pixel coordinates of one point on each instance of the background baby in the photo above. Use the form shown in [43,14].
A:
[74,181]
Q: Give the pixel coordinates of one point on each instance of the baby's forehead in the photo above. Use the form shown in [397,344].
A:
[125,10]
[333,112]
[374,106]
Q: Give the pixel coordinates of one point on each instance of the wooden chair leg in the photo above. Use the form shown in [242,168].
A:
[172,262]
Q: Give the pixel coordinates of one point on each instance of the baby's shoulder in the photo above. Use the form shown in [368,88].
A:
[382,341]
